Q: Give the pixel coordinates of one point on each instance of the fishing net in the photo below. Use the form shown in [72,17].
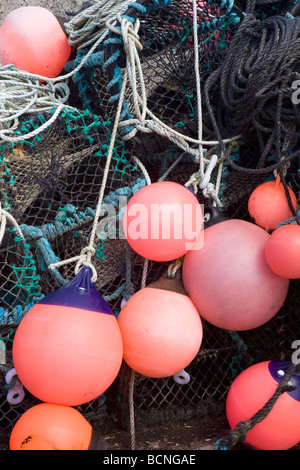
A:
[155,90]
[266,8]
[49,187]
[164,79]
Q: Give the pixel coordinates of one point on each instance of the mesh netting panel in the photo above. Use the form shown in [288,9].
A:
[167,60]
[50,185]
[266,8]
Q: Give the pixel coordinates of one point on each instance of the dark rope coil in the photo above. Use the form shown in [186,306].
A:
[254,85]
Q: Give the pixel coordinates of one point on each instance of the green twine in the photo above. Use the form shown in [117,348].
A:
[242,353]
[26,276]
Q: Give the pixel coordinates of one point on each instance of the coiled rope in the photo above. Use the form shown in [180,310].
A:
[255,87]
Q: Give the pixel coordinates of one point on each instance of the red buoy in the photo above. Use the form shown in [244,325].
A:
[161,330]
[251,390]
[163,221]
[268,204]
[52,427]
[32,40]
[229,280]
[283,251]
[68,348]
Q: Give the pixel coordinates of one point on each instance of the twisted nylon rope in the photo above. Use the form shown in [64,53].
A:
[132,45]
[90,24]
[129,32]
[4,217]
[200,158]
[23,92]
[84,259]
[254,84]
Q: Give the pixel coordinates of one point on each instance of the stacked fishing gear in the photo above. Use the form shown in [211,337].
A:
[169,103]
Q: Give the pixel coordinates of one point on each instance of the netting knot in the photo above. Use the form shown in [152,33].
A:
[210,192]
[85,260]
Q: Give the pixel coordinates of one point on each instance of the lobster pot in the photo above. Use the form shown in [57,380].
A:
[167,58]
[50,184]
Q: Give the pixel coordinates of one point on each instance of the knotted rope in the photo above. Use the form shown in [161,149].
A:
[89,25]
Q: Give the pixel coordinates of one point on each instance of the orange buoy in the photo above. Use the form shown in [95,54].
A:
[68,348]
[249,393]
[268,204]
[163,221]
[229,280]
[32,40]
[53,427]
[283,251]
[161,329]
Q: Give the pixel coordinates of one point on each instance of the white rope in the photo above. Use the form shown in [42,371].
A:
[142,167]
[4,217]
[198,88]
[135,73]
[35,132]
[84,259]
[90,24]
[23,92]
[129,31]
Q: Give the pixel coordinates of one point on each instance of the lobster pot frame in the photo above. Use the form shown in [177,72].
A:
[50,185]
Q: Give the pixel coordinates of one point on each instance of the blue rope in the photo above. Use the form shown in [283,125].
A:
[43,251]
[162,2]
[220,446]
[80,78]
[289,221]
[68,219]
[138,7]
[14,316]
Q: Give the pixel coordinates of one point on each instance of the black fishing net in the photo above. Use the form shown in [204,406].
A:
[266,8]
[248,59]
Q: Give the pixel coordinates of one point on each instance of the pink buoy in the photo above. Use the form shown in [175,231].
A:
[283,251]
[249,393]
[229,280]
[32,40]
[161,329]
[163,221]
[268,204]
[67,349]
